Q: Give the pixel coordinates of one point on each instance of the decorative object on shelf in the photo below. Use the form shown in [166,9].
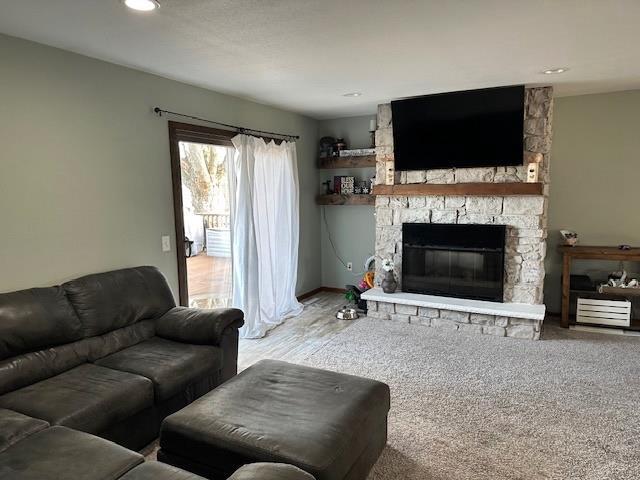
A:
[389,283]
[337,184]
[347,185]
[359,152]
[364,188]
[624,246]
[327,187]
[619,280]
[372,182]
[570,237]
[372,132]
[390,172]
[533,172]
[339,145]
[326,147]
[533,167]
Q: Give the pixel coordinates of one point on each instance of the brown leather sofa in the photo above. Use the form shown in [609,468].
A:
[111,354]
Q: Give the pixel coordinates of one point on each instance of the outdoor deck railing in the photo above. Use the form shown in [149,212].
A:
[219,221]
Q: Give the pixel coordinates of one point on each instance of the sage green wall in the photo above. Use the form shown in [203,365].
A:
[352,228]
[85,182]
[595,178]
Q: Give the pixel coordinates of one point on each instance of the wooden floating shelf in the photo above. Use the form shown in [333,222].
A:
[595,252]
[625,292]
[336,199]
[479,189]
[362,161]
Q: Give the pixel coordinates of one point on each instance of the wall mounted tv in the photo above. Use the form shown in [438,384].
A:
[474,128]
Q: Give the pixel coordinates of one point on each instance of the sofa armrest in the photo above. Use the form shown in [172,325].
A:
[198,326]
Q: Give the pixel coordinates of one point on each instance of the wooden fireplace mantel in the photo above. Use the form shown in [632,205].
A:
[479,189]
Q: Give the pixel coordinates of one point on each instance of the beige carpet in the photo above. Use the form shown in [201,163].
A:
[481,407]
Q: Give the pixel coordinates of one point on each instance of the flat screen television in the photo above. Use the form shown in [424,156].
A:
[474,128]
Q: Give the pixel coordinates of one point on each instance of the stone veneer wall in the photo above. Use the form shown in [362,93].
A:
[524,216]
[461,321]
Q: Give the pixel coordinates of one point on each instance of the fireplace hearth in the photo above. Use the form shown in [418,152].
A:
[454,260]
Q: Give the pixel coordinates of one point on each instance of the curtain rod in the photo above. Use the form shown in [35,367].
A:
[238,129]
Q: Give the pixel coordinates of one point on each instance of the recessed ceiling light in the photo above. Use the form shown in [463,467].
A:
[552,71]
[352,94]
[142,5]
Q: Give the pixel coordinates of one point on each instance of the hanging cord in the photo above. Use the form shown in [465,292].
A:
[333,247]
[159,111]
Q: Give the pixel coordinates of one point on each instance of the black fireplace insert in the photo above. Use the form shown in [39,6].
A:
[464,261]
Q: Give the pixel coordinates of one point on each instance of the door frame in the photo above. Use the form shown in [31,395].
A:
[185,132]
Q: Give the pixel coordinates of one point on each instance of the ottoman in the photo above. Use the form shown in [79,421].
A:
[331,425]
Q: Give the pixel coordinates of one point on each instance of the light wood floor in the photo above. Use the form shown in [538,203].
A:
[299,336]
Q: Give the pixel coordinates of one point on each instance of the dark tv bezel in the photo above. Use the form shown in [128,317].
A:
[516,162]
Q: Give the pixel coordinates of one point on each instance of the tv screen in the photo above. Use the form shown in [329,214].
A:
[474,128]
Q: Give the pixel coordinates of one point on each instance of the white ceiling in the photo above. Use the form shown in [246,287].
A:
[302,55]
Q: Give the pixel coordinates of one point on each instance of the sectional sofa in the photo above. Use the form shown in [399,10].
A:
[111,354]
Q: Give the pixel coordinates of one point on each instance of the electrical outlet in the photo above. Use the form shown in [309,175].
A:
[350,266]
[166,243]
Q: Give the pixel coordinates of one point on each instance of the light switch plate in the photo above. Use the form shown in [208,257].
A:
[166,243]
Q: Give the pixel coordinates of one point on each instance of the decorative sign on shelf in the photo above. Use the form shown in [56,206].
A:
[347,185]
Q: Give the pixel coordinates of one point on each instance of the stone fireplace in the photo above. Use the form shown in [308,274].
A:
[522,218]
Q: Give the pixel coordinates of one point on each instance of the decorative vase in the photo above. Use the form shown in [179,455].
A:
[389,283]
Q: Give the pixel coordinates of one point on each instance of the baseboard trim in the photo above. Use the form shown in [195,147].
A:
[315,291]
[309,294]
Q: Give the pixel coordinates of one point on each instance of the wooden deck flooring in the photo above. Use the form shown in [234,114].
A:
[209,281]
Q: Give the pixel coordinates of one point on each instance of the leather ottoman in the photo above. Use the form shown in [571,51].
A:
[332,425]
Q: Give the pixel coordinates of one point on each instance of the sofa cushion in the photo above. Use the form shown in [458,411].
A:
[172,366]
[29,368]
[270,471]
[159,471]
[15,426]
[36,318]
[60,453]
[88,398]
[111,300]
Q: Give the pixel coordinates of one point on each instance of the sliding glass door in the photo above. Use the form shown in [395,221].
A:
[199,159]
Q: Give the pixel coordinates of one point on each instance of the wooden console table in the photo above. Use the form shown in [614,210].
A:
[580,252]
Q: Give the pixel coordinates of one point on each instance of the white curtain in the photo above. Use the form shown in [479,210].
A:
[265,235]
